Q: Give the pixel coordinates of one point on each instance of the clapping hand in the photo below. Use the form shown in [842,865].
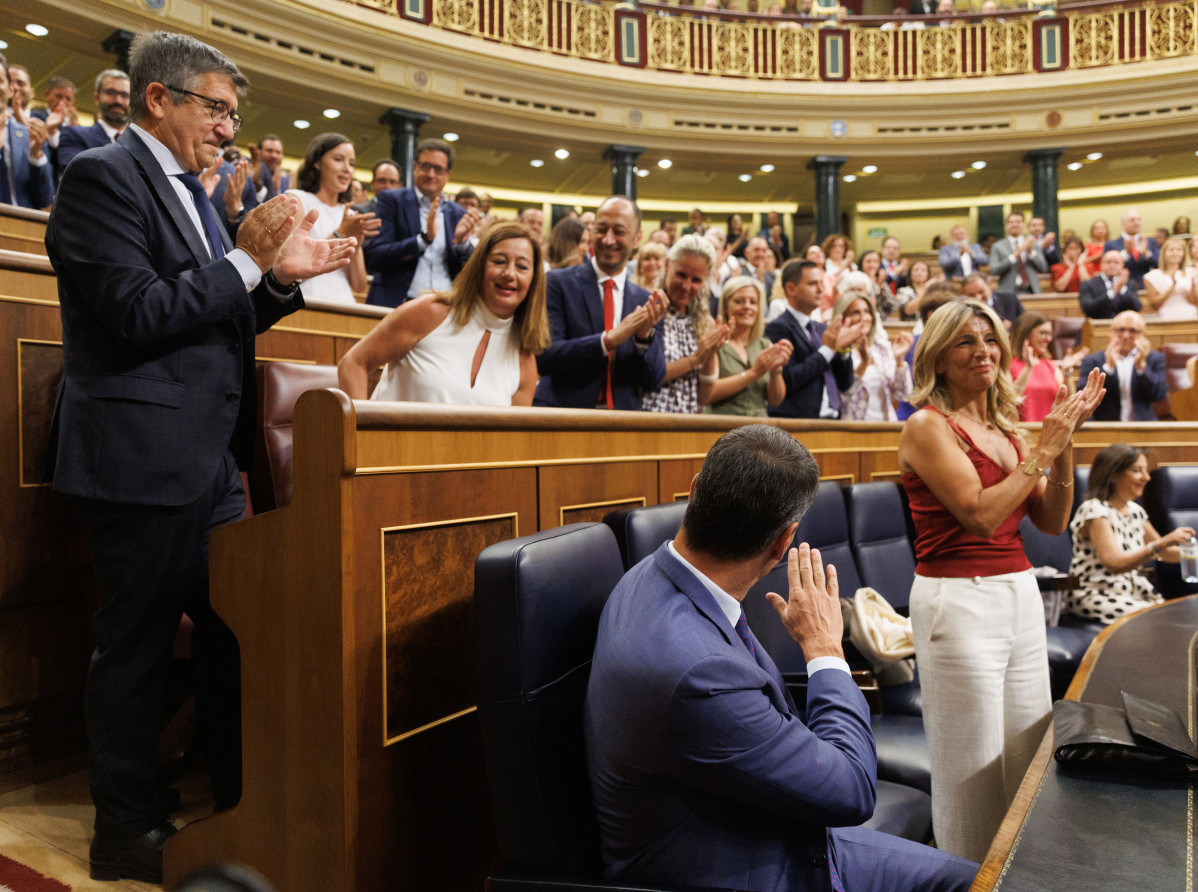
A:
[358,226]
[901,344]
[303,257]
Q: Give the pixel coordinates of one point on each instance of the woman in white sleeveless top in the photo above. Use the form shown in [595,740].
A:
[475,344]
[324,180]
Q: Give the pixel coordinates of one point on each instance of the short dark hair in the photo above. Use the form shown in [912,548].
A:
[56,81]
[792,271]
[755,481]
[1109,464]
[432,144]
[307,178]
[374,168]
[466,193]
[162,57]
[273,136]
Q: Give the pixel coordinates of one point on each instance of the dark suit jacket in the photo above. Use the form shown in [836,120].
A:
[268,181]
[804,373]
[701,771]
[158,338]
[75,139]
[1098,305]
[1147,389]
[32,187]
[573,368]
[393,253]
[1007,304]
[249,198]
[1150,259]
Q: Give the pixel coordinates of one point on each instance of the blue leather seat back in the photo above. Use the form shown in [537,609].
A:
[640,531]
[1044,550]
[878,533]
[537,602]
[1171,497]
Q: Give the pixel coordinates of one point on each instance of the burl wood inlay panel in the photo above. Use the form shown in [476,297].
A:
[40,368]
[428,579]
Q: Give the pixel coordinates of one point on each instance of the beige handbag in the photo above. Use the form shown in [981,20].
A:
[883,637]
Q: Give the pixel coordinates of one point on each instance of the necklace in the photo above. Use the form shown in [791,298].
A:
[986,424]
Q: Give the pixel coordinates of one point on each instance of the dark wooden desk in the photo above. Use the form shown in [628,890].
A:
[1071,832]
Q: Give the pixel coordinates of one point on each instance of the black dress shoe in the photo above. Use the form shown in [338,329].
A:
[139,858]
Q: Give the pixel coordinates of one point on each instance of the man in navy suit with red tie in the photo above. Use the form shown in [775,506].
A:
[605,348]
[155,414]
[817,370]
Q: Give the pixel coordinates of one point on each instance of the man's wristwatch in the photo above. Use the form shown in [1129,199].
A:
[645,342]
[278,287]
[424,237]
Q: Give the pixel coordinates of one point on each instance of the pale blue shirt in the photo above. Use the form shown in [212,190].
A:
[245,265]
[731,609]
[431,274]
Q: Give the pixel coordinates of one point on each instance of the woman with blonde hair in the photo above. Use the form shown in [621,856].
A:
[746,373]
[1171,290]
[689,335]
[473,344]
[970,477]
[650,266]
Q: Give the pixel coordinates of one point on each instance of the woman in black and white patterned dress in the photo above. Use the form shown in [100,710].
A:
[1112,538]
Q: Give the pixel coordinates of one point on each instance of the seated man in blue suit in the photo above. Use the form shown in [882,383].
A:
[817,371]
[423,240]
[1135,373]
[605,348]
[26,178]
[702,771]
[112,116]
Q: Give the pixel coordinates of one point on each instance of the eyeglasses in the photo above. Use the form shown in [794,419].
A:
[425,167]
[115,94]
[1135,331]
[218,108]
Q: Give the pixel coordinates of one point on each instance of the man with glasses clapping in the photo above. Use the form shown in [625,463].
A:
[424,240]
[1135,373]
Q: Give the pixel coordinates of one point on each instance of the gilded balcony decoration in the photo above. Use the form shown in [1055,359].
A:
[683,40]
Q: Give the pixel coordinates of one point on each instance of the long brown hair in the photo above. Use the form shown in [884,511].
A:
[465,294]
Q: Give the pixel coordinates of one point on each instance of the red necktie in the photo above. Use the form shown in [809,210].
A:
[1134,251]
[609,322]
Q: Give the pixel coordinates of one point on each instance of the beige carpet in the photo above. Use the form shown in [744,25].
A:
[47,827]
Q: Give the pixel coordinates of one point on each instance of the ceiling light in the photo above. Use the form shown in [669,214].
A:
[536,162]
[850,177]
[331,113]
[978,165]
[870,168]
[301,124]
[665,163]
[1094,156]
[450,137]
[745,177]
[562,154]
[958,174]
[767,168]
[37,30]
[1077,165]
[3,44]
[642,172]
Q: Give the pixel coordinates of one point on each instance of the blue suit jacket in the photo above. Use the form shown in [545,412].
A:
[804,373]
[701,771]
[75,139]
[393,253]
[32,187]
[1150,259]
[158,338]
[1147,389]
[573,369]
[950,259]
[268,180]
[249,198]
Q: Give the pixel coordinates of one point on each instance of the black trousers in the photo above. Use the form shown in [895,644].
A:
[151,566]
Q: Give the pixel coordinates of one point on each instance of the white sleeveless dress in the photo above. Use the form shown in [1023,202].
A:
[437,369]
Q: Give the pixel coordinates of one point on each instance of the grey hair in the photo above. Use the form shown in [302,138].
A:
[695,245]
[108,72]
[161,57]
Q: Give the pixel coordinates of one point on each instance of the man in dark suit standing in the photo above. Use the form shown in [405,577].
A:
[1110,292]
[817,370]
[384,175]
[266,167]
[155,414]
[26,179]
[605,348]
[1139,253]
[423,240]
[1005,303]
[112,116]
[702,771]
[1135,373]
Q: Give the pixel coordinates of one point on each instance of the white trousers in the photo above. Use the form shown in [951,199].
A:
[983,670]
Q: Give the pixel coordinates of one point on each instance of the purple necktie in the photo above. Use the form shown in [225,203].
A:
[742,629]
[830,386]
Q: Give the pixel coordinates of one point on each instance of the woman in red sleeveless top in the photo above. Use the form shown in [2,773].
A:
[976,611]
